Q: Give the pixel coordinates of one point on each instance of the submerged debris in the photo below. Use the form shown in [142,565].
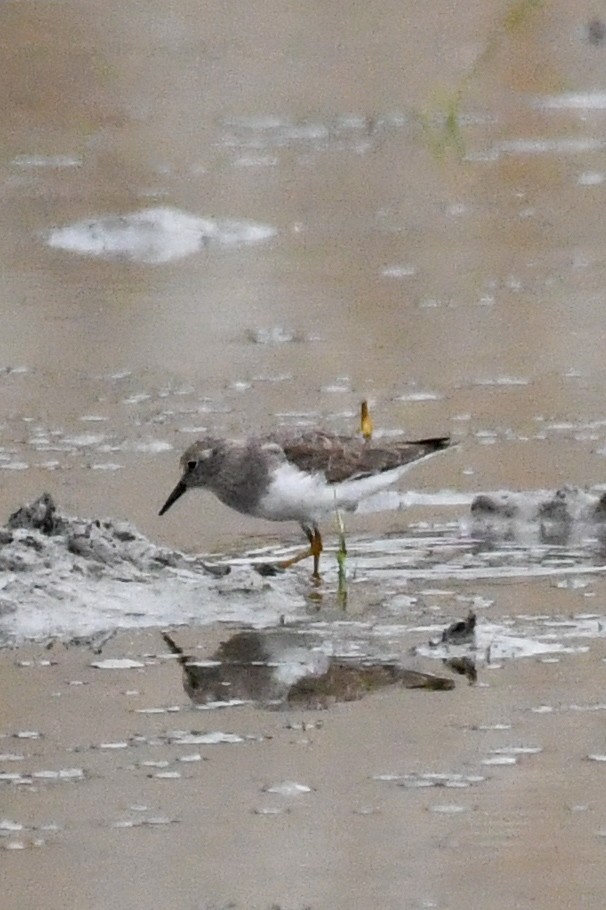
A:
[461,631]
[465,666]
[566,504]
[556,515]
[595,31]
[287,668]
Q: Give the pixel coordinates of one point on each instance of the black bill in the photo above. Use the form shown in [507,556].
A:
[174,496]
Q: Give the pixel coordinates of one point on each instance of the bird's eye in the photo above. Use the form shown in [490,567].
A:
[191,465]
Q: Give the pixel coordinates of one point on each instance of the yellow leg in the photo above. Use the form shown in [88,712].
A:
[299,557]
[366,426]
[315,548]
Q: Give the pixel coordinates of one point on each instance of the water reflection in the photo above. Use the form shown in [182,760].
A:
[285,667]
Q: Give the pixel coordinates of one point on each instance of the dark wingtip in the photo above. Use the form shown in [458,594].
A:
[436,442]
[174,496]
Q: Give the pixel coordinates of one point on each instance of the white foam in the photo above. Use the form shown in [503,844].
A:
[154,236]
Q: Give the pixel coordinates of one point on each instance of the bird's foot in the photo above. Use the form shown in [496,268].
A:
[315,549]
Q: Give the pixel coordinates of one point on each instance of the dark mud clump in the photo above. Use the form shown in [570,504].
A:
[462,631]
[555,517]
[40,515]
[567,504]
[38,528]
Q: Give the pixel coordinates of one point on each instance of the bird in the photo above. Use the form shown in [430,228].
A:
[298,475]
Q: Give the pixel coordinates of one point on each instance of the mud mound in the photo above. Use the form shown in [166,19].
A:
[62,576]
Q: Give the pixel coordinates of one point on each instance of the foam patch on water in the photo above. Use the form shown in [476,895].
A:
[560,146]
[390,500]
[154,236]
[258,136]
[399,271]
[496,642]
[575,101]
[423,780]
[419,396]
[288,788]
[47,161]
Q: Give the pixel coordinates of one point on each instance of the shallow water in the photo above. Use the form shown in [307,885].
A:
[225,219]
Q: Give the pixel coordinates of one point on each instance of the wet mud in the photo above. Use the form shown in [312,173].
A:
[74,579]
[433,627]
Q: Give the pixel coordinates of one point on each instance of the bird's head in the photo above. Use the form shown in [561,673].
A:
[199,463]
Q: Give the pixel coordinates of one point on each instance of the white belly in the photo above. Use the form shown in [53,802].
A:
[296,496]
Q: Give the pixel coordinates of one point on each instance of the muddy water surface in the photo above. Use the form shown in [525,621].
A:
[227,218]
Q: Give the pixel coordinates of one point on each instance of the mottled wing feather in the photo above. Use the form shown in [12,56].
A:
[341,458]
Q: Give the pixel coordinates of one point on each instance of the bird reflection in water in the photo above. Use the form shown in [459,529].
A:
[286,668]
